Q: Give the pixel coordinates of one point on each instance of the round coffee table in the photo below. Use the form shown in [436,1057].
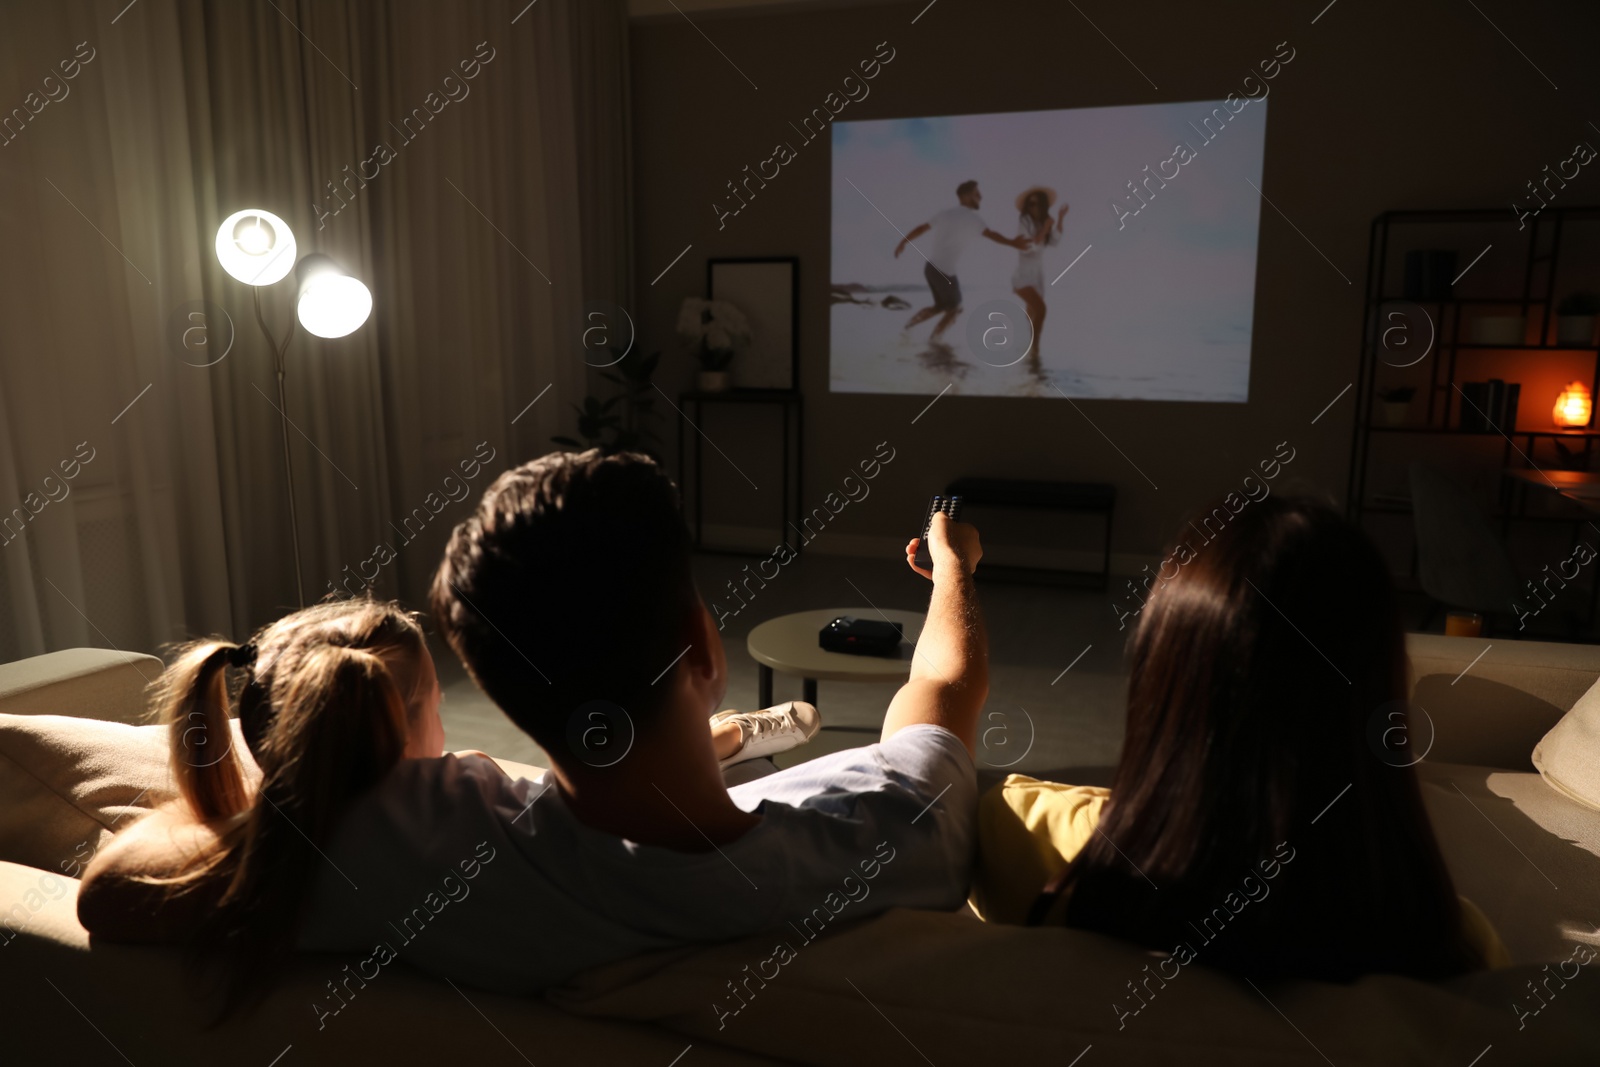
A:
[789,644]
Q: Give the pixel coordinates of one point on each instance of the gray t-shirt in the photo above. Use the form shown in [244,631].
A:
[465,873]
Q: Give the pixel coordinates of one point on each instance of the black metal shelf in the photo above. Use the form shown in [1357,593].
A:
[1525,347]
[1394,231]
[1495,516]
[1456,430]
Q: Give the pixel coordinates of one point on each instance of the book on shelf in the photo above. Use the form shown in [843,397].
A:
[1489,407]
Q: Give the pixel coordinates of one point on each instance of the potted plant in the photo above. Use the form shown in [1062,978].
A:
[1575,317]
[718,330]
[713,376]
[623,422]
[1397,404]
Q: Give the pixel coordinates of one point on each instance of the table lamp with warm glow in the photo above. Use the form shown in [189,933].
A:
[258,248]
[1573,406]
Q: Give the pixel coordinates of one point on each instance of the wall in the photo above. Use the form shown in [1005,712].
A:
[1415,105]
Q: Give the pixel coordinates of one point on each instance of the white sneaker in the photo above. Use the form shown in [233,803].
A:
[771,730]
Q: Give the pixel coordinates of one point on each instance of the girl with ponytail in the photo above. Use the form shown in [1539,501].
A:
[329,700]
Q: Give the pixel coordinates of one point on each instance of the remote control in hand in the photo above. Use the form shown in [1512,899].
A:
[951,506]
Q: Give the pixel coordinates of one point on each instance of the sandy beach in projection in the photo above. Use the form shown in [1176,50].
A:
[1110,359]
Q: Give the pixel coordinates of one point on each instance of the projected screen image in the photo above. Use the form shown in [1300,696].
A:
[1101,252]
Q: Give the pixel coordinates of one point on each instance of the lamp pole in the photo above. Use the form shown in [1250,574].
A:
[283,424]
[258,248]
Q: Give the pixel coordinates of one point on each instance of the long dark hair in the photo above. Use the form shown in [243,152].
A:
[1044,210]
[323,709]
[1257,669]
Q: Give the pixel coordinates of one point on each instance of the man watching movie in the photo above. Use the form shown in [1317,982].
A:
[569,597]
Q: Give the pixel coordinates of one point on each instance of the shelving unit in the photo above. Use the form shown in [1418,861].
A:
[1436,377]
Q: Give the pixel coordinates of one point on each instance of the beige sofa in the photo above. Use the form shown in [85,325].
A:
[911,987]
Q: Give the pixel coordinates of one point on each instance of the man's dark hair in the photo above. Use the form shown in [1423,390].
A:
[570,583]
[966,187]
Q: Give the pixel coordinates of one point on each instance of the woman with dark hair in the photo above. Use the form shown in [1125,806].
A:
[1256,820]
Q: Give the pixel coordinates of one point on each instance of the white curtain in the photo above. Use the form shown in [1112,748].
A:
[496,208]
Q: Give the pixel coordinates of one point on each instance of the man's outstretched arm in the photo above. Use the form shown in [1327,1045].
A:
[1010,242]
[950,668]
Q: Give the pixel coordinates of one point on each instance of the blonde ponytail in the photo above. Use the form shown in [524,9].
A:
[192,700]
[323,709]
[340,728]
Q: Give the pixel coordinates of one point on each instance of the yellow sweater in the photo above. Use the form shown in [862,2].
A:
[1028,831]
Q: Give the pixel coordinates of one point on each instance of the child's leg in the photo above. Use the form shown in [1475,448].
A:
[726,737]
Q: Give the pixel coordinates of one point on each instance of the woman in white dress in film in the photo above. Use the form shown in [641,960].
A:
[1040,230]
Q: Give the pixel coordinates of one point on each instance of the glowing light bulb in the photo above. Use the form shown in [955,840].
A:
[331,303]
[255,246]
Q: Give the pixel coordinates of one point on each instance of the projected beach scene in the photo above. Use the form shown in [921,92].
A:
[1090,252]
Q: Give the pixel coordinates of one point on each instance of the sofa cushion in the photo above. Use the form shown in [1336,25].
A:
[945,985]
[72,1000]
[1488,703]
[100,683]
[957,990]
[67,783]
[1527,856]
[1569,755]
[1028,831]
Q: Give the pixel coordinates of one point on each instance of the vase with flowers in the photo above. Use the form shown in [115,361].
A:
[717,330]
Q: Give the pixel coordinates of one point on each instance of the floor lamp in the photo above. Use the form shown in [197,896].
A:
[258,248]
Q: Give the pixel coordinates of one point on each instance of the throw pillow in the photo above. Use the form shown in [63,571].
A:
[1568,757]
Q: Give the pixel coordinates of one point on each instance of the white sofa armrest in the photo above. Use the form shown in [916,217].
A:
[90,683]
[1490,708]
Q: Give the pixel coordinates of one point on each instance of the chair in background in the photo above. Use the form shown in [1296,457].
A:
[1460,560]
